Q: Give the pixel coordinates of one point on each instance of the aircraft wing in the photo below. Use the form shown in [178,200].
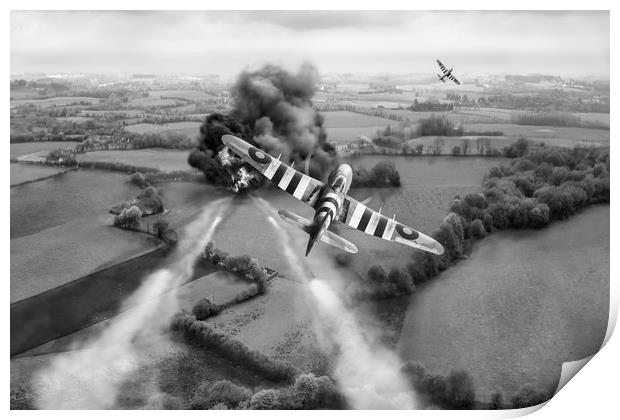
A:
[301,186]
[362,218]
[442,67]
[451,77]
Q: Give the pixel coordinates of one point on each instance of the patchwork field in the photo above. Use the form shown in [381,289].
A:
[348,126]
[190,95]
[56,201]
[568,136]
[593,117]
[57,101]
[189,128]
[106,113]
[57,255]
[155,102]
[21,172]
[520,306]
[166,160]
[60,229]
[22,149]
[429,185]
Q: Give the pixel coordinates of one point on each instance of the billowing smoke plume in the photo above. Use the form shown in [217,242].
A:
[90,377]
[273,111]
[366,372]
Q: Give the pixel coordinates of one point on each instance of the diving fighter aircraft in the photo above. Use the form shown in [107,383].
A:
[446,73]
[330,202]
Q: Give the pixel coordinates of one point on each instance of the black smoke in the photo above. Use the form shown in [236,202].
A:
[273,111]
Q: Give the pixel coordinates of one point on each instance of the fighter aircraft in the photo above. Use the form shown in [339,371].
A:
[446,73]
[331,203]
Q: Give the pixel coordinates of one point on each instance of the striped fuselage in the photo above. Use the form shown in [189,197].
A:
[329,205]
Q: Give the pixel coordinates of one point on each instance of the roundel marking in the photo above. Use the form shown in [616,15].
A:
[406,233]
[259,156]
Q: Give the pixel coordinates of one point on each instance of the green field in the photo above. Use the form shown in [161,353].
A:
[520,306]
[166,160]
[21,172]
[105,113]
[154,102]
[57,101]
[348,126]
[189,95]
[22,149]
[567,136]
[60,229]
[593,117]
[60,254]
[189,128]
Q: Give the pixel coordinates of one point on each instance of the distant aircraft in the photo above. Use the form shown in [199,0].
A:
[331,203]
[446,73]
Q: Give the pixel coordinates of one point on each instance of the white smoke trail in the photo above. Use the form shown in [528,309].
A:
[90,377]
[367,373]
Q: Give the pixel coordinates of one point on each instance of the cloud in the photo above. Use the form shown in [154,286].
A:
[312,20]
[571,42]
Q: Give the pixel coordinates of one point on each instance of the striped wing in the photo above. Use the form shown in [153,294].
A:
[300,186]
[454,79]
[442,67]
[360,217]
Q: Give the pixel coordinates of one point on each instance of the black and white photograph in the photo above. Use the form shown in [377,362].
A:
[307,209]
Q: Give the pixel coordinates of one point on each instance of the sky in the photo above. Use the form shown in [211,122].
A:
[367,42]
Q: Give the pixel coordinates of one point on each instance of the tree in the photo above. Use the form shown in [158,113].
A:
[529,396]
[307,391]
[416,273]
[128,217]
[465,145]
[377,274]
[487,221]
[204,308]
[138,178]
[161,228]
[477,229]
[497,402]
[460,391]
[266,399]
[402,280]
[224,392]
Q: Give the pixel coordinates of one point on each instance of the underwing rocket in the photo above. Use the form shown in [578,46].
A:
[332,205]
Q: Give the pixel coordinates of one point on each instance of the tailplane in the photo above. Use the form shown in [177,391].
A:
[332,239]
[326,236]
[295,220]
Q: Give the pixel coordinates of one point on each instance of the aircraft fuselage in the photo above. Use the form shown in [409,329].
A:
[329,205]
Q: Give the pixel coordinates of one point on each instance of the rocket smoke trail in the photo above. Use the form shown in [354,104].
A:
[367,373]
[90,377]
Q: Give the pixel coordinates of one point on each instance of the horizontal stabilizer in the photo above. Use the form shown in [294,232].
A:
[332,239]
[295,220]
